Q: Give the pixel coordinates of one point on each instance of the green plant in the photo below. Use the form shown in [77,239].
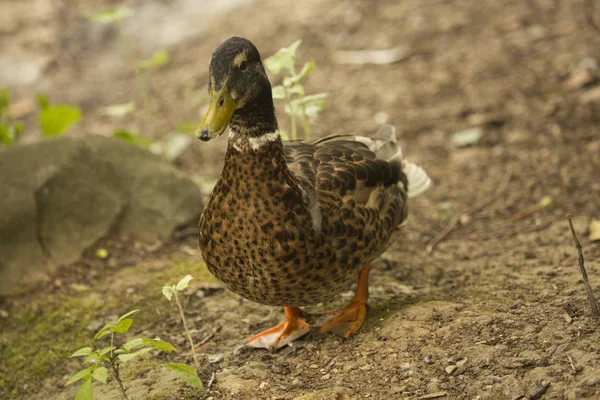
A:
[140,67]
[9,129]
[114,357]
[297,103]
[171,292]
[55,119]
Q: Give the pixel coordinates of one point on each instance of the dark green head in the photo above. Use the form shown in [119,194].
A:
[239,89]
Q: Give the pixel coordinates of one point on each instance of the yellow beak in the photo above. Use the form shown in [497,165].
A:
[218,115]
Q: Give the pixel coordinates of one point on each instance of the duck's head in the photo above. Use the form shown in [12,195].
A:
[240,92]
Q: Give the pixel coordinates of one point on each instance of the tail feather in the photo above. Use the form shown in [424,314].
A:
[385,145]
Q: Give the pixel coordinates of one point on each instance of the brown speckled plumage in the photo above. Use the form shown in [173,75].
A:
[290,224]
[257,233]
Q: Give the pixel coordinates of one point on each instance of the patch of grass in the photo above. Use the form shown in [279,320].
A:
[37,339]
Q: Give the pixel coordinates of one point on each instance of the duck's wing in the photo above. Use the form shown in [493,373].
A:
[348,165]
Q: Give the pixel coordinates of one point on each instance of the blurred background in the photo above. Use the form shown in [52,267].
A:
[499,100]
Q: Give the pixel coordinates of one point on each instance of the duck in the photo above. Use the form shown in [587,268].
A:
[291,224]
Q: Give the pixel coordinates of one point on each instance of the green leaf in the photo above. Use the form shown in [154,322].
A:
[160,345]
[278,92]
[130,313]
[122,326]
[111,15]
[92,358]
[55,120]
[4,98]
[175,145]
[167,291]
[84,351]
[185,372]
[158,59]
[43,101]
[9,134]
[82,374]
[106,350]
[118,110]
[285,58]
[86,391]
[184,283]
[307,69]
[132,138]
[100,374]
[129,356]
[105,330]
[309,105]
[132,344]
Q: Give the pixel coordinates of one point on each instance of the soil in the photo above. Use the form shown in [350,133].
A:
[496,311]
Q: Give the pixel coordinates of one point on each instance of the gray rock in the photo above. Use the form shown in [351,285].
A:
[59,197]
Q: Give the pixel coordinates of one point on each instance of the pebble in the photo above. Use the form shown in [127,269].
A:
[313,366]
[462,362]
[592,381]
[326,377]
[296,382]
[450,369]
[215,358]
[263,385]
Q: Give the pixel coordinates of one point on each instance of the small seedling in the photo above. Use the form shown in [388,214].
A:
[297,103]
[55,119]
[140,67]
[114,357]
[171,292]
[9,129]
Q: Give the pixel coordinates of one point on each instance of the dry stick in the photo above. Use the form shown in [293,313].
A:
[572,364]
[477,207]
[586,282]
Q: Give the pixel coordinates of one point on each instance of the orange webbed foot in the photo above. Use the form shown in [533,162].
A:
[352,316]
[348,322]
[284,333]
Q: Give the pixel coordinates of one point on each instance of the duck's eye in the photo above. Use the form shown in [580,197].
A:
[243,66]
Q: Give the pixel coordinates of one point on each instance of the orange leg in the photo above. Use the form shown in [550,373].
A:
[353,315]
[286,332]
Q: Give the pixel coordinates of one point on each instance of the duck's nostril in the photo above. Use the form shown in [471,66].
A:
[204,135]
[221,102]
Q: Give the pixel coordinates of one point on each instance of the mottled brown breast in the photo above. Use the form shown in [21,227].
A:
[259,232]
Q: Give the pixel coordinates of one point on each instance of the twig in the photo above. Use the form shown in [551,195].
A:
[442,234]
[487,200]
[572,364]
[545,202]
[212,380]
[586,282]
[540,392]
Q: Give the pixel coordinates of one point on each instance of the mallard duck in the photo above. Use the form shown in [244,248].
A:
[290,224]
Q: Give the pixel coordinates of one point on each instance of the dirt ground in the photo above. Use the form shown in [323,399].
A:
[496,311]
